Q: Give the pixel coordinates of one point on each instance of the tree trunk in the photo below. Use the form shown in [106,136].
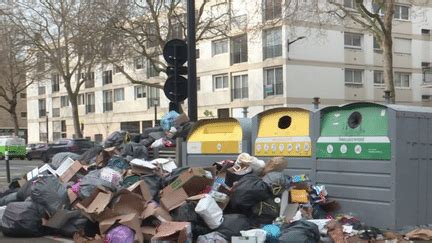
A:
[388,51]
[15,121]
[75,116]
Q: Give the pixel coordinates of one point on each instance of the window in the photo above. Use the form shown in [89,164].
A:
[176,30]
[140,92]
[353,76]
[220,82]
[425,31]
[401,12]
[153,97]
[89,80]
[402,80]
[107,77]
[55,112]
[152,35]
[131,127]
[378,77]
[402,46]
[23,95]
[81,99]
[273,81]
[240,87]
[23,114]
[90,102]
[55,82]
[41,90]
[272,9]
[272,41]
[377,8]
[349,4]
[139,63]
[197,53]
[376,44]
[119,94]
[151,70]
[64,101]
[98,138]
[353,40]
[42,107]
[427,75]
[239,50]
[118,69]
[107,100]
[146,124]
[198,83]
[219,47]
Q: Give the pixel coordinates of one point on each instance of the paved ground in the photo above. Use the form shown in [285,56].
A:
[18,168]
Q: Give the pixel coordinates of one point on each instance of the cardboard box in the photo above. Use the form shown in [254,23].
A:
[153,209]
[70,171]
[148,232]
[79,237]
[141,188]
[193,181]
[175,232]
[126,202]
[95,204]
[103,157]
[171,200]
[130,220]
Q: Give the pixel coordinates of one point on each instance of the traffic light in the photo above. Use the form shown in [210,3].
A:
[175,88]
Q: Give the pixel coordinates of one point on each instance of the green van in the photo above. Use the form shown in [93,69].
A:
[15,145]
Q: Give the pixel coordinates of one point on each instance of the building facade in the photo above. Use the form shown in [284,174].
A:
[6,121]
[252,71]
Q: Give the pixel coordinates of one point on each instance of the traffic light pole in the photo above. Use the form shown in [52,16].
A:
[191,47]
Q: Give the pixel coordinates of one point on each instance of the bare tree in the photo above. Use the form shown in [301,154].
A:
[15,63]
[65,34]
[140,29]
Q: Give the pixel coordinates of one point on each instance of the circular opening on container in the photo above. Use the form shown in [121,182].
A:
[354,119]
[284,122]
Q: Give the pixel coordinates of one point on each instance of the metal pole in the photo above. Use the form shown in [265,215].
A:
[47,133]
[191,45]
[155,118]
[7,166]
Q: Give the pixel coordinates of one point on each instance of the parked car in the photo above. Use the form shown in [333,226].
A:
[36,150]
[78,146]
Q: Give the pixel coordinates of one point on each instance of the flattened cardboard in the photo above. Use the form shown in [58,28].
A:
[141,188]
[71,171]
[130,220]
[81,238]
[153,209]
[97,202]
[141,170]
[181,119]
[179,232]
[173,199]
[103,157]
[148,232]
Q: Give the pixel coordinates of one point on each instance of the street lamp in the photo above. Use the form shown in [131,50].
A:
[155,103]
[291,42]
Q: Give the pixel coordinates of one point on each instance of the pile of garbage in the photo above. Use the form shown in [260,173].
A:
[117,194]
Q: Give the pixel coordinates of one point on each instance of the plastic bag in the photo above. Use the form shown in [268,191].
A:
[158,143]
[275,164]
[120,234]
[233,224]
[300,231]
[135,150]
[208,209]
[246,160]
[116,139]
[111,176]
[168,120]
[213,237]
[49,193]
[58,159]
[258,233]
[22,219]
[92,180]
[278,181]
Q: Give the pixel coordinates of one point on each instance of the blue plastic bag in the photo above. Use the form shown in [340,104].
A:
[168,120]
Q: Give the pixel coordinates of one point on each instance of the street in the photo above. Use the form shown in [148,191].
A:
[17,169]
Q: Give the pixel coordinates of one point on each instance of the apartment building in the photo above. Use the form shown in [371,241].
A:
[6,121]
[251,71]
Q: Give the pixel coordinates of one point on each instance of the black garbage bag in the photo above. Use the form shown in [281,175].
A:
[49,193]
[11,197]
[73,225]
[265,212]
[89,156]
[300,231]
[183,130]
[59,158]
[116,139]
[91,181]
[117,163]
[233,224]
[8,191]
[25,191]
[186,213]
[278,182]
[149,130]
[155,184]
[22,219]
[249,191]
[135,150]
[135,137]
[147,141]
